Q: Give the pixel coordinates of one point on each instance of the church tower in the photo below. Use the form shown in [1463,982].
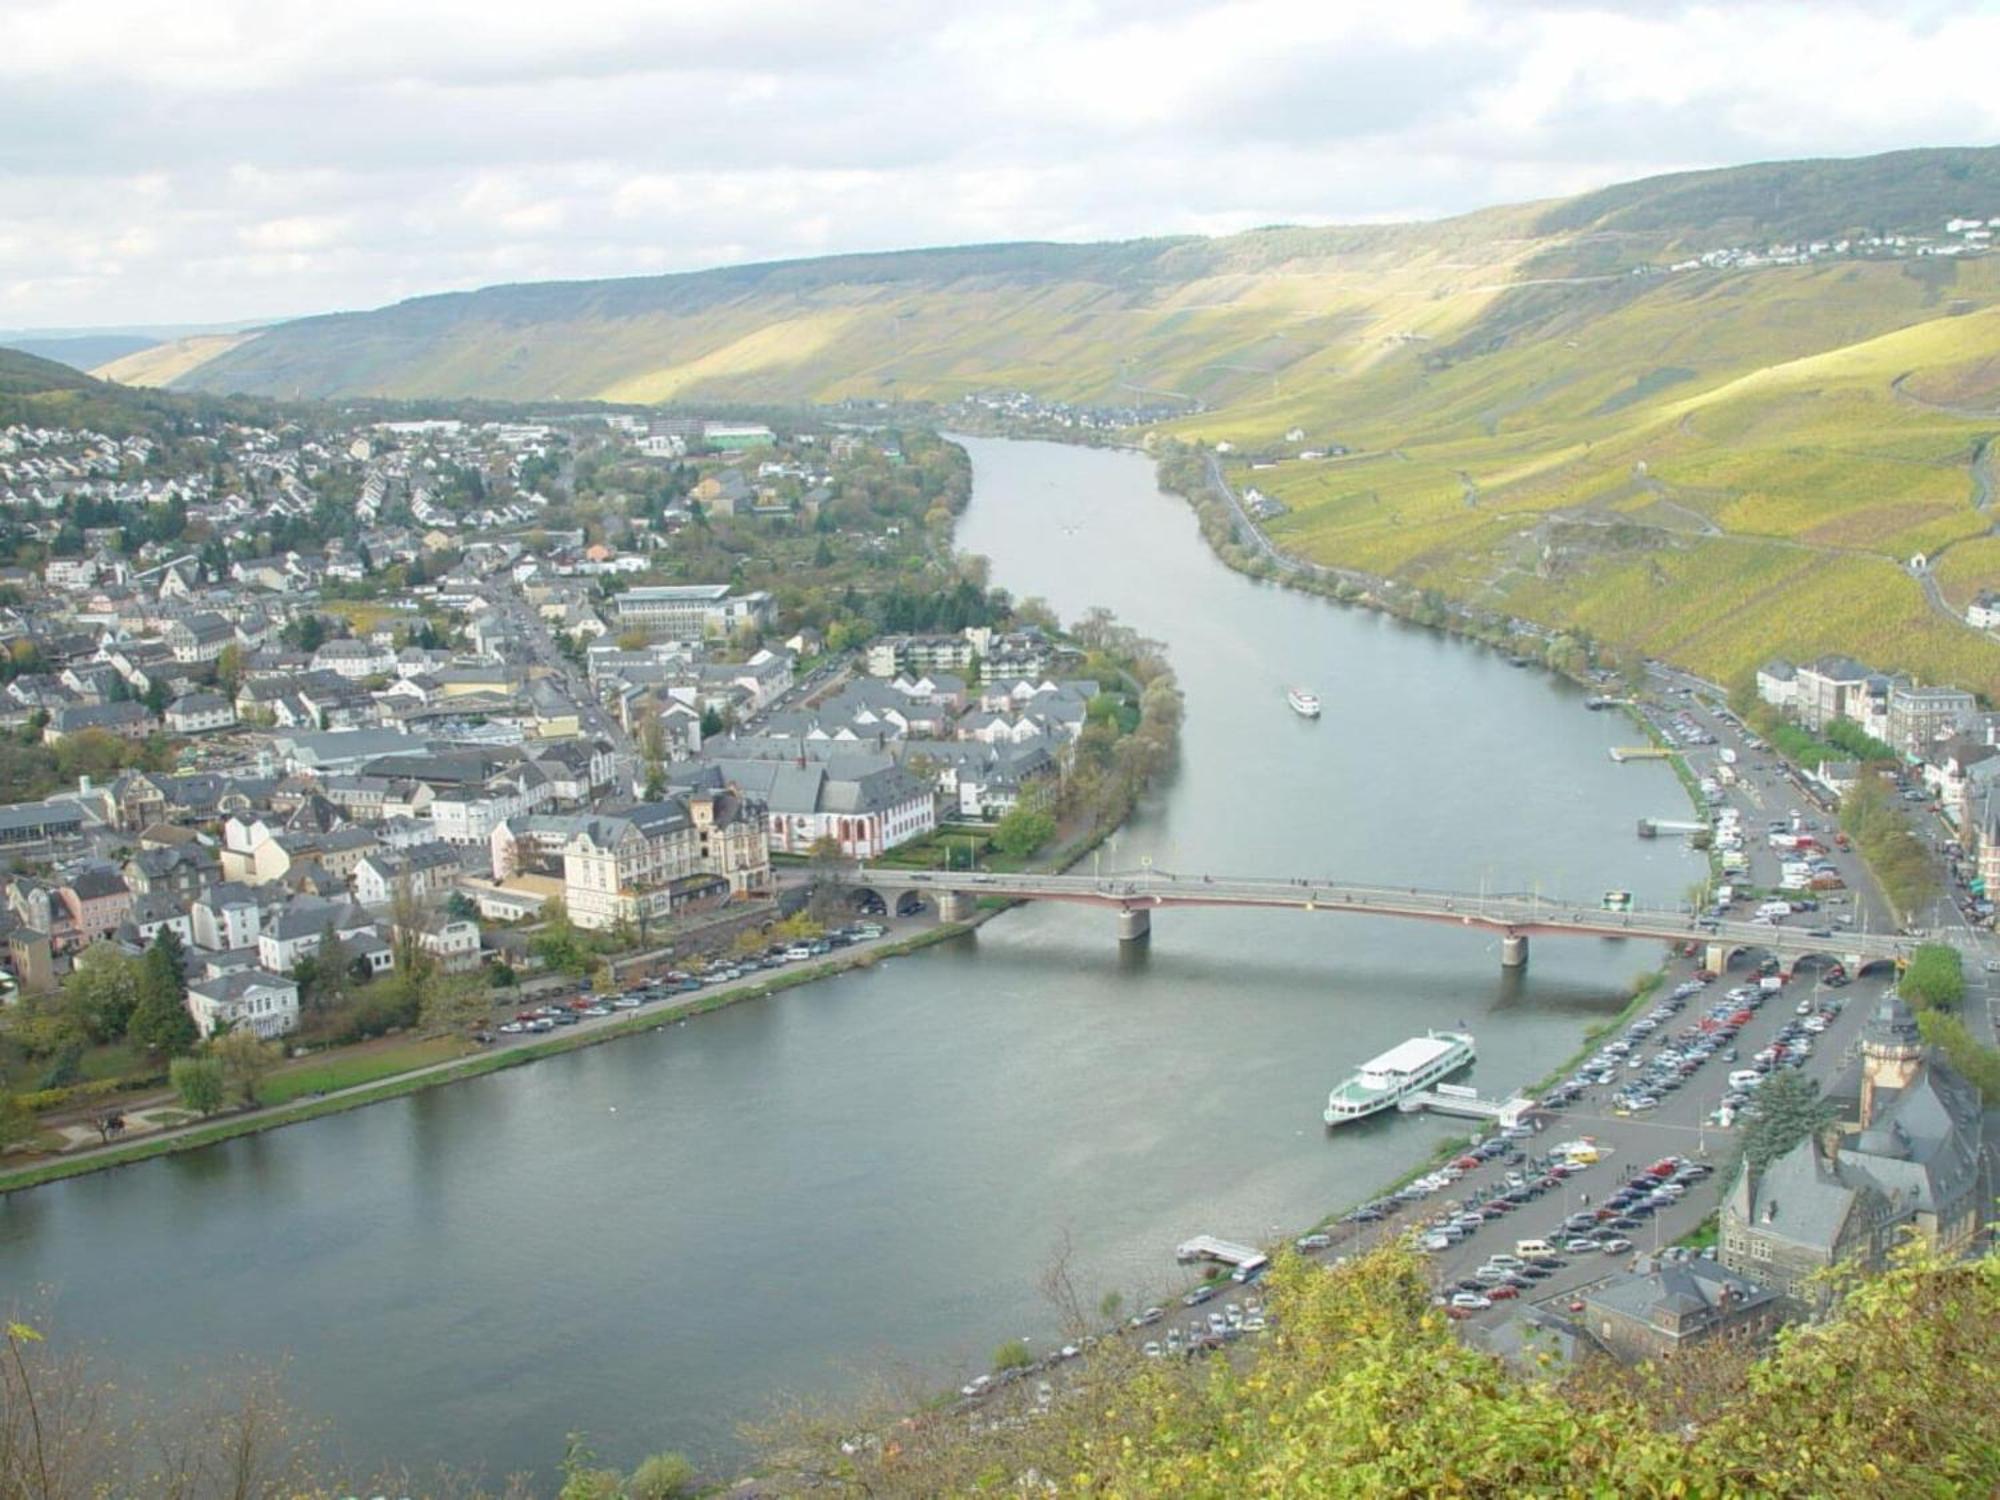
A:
[1892,1049]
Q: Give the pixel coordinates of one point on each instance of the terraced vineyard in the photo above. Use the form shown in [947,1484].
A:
[1717,464]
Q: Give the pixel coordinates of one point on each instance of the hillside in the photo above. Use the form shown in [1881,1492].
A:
[161,363]
[1713,462]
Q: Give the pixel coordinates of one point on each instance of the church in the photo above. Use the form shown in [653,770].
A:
[1912,1161]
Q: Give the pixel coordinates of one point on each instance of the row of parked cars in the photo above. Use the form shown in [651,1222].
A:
[585,1006]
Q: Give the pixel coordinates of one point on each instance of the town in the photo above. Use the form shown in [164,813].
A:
[387,723]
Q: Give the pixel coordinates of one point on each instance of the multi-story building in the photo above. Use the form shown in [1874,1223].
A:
[1919,716]
[1912,1162]
[692,611]
[658,858]
[1829,689]
[267,1003]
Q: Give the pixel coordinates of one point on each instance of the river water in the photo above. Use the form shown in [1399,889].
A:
[657,1239]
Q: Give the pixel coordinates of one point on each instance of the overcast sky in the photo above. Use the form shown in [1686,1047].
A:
[203,160]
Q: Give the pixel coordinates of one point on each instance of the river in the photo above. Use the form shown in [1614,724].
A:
[653,1240]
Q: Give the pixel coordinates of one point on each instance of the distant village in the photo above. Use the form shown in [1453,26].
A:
[1961,237]
[277,690]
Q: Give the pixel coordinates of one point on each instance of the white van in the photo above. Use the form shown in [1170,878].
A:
[1775,909]
[1745,1078]
[1529,1249]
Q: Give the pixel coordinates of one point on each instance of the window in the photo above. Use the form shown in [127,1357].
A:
[1760,1249]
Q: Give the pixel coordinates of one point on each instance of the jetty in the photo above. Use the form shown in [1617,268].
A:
[1244,1260]
[1457,1099]
[1623,753]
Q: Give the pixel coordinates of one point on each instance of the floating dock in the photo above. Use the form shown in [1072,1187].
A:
[1623,753]
[1243,1258]
[1456,1099]
[1650,828]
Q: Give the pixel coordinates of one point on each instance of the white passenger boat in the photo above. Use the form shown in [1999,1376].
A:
[1304,704]
[1402,1070]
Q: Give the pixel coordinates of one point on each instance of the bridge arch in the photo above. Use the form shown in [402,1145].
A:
[885,900]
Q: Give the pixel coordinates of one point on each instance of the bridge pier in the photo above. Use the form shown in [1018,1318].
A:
[1134,923]
[1514,951]
[956,906]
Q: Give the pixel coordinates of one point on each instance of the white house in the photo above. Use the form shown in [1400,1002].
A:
[198,713]
[1983,613]
[267,1003]
[1778,683]
[227,916]
[354,659]
[453,941]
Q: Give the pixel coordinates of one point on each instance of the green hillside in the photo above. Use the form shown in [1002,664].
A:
[1713,463]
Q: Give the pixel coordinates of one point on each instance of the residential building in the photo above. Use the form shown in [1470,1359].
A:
[226,917]
[199,713]
[1778,683]
[267,1003]
[98,901]
[1829,689]
[1919,716]
[1983,613]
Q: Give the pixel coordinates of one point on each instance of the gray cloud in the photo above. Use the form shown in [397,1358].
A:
[224,158]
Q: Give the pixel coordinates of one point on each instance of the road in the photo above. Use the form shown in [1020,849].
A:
[1769,789]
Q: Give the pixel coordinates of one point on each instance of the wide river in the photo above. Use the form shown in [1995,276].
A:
[655,1240]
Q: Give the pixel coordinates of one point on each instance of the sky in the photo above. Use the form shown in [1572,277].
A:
[193,161]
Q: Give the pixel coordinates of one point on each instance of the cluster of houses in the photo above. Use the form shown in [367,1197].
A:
[1962,236]
[1940,732]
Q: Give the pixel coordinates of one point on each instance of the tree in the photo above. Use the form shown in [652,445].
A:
[1789,1108]
[199,1082]
[245,1058]
[1023,830]
[156,698]
[160,1021]
[229,668]
[455,1003]
[1935,979]
[102,991]
[558,944]
[712,723]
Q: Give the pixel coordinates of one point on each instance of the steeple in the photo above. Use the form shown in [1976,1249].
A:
[1892,1049]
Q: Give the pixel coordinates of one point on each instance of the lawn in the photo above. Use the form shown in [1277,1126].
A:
[365,1064]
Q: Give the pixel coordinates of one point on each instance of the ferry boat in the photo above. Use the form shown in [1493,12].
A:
[1617,901]
[1304,704]
[1402,1070]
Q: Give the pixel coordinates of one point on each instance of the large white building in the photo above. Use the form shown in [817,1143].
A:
[692,611]
[267,1003]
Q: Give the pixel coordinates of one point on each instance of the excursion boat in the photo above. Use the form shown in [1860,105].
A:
[1402,1070]
[1617,900]
[1304,704]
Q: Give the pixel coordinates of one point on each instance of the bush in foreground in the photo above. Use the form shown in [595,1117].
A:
[1365,1390]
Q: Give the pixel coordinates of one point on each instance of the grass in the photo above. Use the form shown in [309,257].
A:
[357,1066]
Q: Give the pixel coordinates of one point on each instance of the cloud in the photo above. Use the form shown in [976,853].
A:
[222,159]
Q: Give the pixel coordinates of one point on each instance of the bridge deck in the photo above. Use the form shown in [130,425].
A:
[1513,913]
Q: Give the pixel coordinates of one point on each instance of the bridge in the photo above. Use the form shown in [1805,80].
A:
[1135,895]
